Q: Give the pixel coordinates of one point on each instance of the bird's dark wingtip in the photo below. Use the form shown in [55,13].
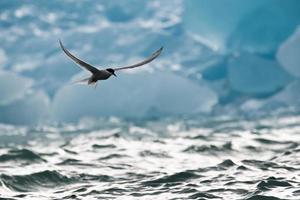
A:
[60,43]
[159,50]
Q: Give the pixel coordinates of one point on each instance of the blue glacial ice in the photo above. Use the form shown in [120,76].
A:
[288,54]
[257,26]
[288,97]
[3,57]
[263,29]
[252,74]
[217,53]
[19,103]
[13,87]
[214,21]
[32,109]
[134,95]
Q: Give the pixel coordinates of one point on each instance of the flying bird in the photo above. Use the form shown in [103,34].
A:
[103,74]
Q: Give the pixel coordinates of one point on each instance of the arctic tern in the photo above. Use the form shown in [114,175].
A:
[103,74]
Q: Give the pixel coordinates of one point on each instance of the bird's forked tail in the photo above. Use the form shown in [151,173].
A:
[81,81]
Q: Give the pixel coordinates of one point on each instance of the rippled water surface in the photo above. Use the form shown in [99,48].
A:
[213,158]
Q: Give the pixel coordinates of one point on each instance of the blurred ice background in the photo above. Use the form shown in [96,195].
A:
[220,56]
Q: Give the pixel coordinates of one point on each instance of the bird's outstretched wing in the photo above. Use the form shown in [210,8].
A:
[152,57]
[78,61]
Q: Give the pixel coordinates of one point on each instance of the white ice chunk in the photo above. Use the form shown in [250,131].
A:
[3,58]
[290,95]
[254,75]
[12,87]
[136,95]
[252,104]
[31,109]
[288,54]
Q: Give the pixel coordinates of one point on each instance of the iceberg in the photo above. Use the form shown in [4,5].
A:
[3,57]
[32,109]
[214,21]
[123,11]
[254,26]
[288,54]
[217,54]
[13,87]
[255,75]
[288,97]
[19,102]
[263,29]
[137,95]
[216,71]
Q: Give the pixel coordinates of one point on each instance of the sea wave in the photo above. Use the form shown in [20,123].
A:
[34,181]
[194,159]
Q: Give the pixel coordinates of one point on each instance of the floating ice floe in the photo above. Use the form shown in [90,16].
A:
[19,103]
[13,87]
[255,75]
[31,109]
[3,58]
[120,33]
[214,21]
[135,95]
[288,54]
[263,29]
[290,96]
[256,26]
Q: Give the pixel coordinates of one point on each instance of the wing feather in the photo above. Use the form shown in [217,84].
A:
[78,61]
[148,60]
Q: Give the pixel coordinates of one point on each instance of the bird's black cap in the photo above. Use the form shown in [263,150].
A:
[112,71]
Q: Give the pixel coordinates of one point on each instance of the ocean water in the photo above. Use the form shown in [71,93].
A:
[190,158]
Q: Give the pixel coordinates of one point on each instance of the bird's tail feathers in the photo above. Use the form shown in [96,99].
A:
[82,81]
